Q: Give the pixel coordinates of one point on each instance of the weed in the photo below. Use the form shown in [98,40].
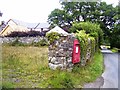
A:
[7,85]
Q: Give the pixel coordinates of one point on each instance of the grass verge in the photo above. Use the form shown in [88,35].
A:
[114,50]
[27,67]
[90,72]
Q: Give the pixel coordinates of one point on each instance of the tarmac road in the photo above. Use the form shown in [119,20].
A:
[109,78]
[110,74]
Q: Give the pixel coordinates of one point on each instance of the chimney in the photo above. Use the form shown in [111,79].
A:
[1,14]
[41,29]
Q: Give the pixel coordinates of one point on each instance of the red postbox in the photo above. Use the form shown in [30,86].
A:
[76,52]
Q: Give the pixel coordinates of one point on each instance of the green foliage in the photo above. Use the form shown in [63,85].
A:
[97,12]
[52,36]
[93,29]
[83,38]
[42,42]
[13,62]
[91,71]
[114,50]
[86,42]
[23,65]
[59,17]
[62,79]
[7,85]
[115,37]
[93,44]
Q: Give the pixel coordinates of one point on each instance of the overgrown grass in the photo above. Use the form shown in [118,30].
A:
[22,65]
[27,67]
[6,85]
[88,73]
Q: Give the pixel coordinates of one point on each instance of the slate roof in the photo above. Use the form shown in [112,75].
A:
[2,26]
[31,25]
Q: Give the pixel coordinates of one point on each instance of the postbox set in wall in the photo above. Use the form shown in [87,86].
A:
[76,52]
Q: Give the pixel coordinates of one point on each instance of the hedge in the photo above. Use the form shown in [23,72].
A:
[93,29]
[87,45]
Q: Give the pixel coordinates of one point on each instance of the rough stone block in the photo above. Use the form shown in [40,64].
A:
[53,59]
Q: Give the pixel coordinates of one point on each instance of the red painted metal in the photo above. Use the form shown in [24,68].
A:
[76,52]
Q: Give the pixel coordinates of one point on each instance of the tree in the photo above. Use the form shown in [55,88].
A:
[97,12]
[115,38]
[59,17]
[80,11]
[107,18]
[72,11]
[115,34]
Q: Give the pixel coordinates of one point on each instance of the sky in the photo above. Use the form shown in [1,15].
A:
[32,11]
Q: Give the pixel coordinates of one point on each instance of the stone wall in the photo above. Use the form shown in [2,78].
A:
[60,53]
[88,54]
[24,40]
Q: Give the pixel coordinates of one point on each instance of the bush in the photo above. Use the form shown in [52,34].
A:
[83,39]
[86,42]
[93,29]
[52,36]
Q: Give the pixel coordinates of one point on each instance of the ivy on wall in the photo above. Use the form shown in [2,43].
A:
[87,45]
[89,35]
[82,37]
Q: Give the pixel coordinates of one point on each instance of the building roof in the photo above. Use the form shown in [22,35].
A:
[31,25]
[2,26]
[58,30]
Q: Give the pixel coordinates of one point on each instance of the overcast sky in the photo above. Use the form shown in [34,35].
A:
[31,10]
